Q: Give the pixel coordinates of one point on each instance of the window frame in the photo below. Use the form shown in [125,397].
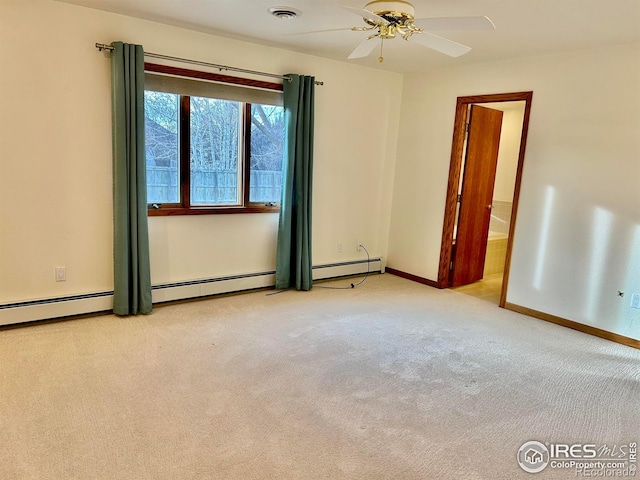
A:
[184,207]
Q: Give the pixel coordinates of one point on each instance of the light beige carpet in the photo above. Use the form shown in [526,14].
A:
[391,380]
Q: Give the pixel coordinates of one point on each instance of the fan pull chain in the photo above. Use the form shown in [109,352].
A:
[381,58]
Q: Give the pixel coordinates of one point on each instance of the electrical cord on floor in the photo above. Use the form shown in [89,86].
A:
[279,291]
[353,285]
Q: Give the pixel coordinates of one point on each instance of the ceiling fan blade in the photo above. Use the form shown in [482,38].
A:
[366,14]
[455,23]
[439,44]
[364,48]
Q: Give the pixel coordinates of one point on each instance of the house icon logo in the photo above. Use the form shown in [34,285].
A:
[533,457]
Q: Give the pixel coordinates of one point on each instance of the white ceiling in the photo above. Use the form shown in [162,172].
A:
[523,27]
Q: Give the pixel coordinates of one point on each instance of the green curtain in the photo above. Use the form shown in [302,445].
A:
[293,260]
[132,278]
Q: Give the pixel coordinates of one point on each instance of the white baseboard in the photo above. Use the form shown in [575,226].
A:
[211,286]
[57,307]
[345,269]
[48,308]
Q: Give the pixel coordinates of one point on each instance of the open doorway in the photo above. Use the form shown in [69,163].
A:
[481,200]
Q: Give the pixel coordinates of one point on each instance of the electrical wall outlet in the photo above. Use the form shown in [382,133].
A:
[358,245]
[339,247]
[635,300]
[61,274]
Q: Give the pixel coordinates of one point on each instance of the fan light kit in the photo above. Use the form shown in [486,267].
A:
[388,19]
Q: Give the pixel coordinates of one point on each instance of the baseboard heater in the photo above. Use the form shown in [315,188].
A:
[56,307]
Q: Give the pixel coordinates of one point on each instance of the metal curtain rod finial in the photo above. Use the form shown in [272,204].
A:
[101,47]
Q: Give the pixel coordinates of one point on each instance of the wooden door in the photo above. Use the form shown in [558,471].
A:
[476,195]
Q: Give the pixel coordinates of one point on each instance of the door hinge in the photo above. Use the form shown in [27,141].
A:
[459,198]
[466,127]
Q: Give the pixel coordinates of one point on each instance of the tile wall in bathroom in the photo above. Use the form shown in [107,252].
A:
[497,243]
[500,217]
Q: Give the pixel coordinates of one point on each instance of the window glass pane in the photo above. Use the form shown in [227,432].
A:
[214,152]
[267,144]
[161,143]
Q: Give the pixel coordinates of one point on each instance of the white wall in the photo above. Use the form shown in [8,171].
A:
[577,238]
[55,155]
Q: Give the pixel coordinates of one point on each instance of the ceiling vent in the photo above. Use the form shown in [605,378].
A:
[285,13]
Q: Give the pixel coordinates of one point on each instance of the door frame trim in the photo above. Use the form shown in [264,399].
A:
[455,167]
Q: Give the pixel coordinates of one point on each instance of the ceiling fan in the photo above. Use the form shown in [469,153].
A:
[388,19]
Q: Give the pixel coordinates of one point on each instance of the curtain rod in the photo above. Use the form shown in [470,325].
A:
[109,48]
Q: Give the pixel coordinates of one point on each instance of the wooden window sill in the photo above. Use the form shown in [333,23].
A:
[167,211]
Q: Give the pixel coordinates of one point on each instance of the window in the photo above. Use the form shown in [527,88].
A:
[212,145]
